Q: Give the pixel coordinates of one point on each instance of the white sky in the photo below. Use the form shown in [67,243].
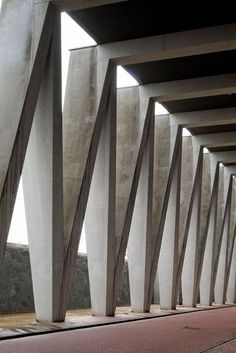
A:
[73,36]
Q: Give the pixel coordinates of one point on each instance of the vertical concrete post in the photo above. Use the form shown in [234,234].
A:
[42,184]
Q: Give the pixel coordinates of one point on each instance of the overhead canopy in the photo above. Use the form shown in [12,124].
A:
[138,19]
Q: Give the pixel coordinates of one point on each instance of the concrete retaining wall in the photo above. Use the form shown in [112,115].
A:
[16,294]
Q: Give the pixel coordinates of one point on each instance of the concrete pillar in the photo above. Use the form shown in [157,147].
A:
[231,288]
[23,55]
[85,108]
[133,120]
[206,273]
[162,153]
[230,272]
[100,214]
[42,184]
[167,265]
[192,248]
[221,268]
[140,238]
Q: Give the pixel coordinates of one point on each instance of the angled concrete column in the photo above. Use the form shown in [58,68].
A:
[231,288]
[167,264]
[193,238]
[214,233]
[206,272]
[206,194]
[42,184]
[140,238]
[85,108]
[100,214]
[162,153]
[230,274]
[190,157]
[225,233]
[133,120]
[22,64]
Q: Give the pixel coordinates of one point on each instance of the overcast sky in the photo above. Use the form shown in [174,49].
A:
[73,36]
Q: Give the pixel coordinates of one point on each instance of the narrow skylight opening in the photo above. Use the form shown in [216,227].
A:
[18,230]
[82,244]
[0,5]
[160,110]
[205,150]
[186,132]
[124,79]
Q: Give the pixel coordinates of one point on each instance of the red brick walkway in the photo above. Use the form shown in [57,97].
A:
[186,333]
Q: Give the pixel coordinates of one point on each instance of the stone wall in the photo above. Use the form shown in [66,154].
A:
[16,294]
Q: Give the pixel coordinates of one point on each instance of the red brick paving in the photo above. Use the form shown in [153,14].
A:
[186,333]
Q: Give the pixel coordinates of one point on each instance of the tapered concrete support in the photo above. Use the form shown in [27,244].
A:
[211,234]
[20,83]
[140,238]
[220,278]
[100,211]
[229,267]
[193,239]
[214,231]
[230,241]
[190,157]
[231,288]
[167,265]
[82,124]
[42,184]
[133,127]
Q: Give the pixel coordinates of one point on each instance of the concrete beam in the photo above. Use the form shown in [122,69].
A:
[192,88]
[169,46]
[74,5]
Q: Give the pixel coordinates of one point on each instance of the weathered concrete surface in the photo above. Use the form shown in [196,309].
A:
[16,293]
[78,122]
[16,23]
